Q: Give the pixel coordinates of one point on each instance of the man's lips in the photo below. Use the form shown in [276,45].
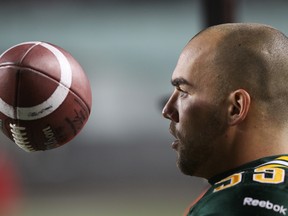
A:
[172,131]
[175,144]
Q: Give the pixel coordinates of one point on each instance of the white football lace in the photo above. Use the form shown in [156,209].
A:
[20,138]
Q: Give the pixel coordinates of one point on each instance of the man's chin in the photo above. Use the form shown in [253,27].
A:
[184,168]
[188,168]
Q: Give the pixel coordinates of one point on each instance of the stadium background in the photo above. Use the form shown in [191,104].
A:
[122,162]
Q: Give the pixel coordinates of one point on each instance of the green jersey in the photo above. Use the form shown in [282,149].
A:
[259,188]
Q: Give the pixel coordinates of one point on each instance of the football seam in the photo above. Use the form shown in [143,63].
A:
[39,44]
[26,53]
[32,69]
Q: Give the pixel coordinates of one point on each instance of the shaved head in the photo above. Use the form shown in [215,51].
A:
[253,57]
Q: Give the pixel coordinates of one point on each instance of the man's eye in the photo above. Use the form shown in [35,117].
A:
[182,93]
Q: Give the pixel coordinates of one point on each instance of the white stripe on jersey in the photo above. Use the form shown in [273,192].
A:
[279,162]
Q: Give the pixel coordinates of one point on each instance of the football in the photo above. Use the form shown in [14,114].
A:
[45,96]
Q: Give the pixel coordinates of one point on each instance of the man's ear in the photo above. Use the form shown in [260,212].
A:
[239,104]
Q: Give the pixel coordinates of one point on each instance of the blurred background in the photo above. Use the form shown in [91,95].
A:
[121,163]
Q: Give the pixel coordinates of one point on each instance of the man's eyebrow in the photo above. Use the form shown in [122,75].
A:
[179,81]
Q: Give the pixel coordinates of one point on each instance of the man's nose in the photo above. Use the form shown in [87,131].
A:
[170,109]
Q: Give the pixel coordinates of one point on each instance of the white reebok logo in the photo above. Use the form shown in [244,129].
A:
[248,201]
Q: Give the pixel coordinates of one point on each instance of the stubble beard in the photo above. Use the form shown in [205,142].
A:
[194,154]
[191,160]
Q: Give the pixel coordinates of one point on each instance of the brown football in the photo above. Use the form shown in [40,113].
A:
[45,96]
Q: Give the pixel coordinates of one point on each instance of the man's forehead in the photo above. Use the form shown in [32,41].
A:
[186,67]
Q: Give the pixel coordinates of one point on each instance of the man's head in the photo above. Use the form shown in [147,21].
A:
[229,79]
